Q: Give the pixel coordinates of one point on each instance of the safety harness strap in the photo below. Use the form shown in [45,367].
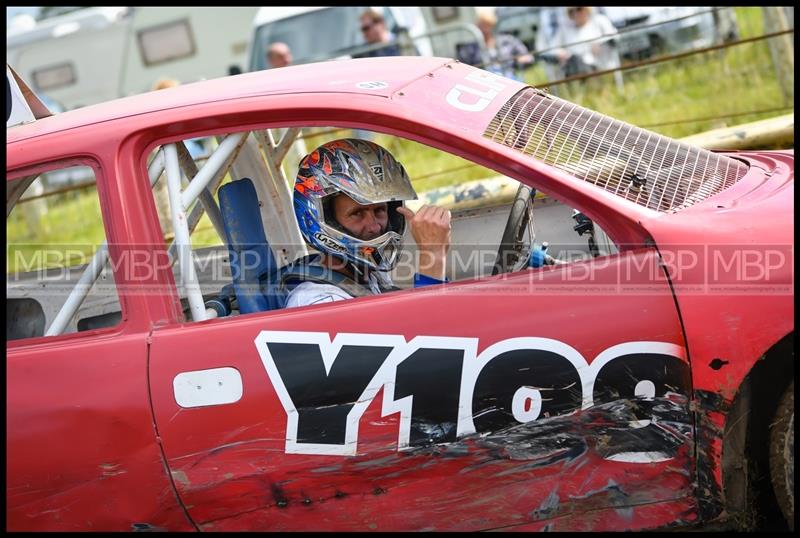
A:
[309,269]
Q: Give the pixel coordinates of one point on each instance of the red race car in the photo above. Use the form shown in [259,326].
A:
[637,374]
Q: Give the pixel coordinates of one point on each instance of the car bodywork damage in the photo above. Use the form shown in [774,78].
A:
[520,475]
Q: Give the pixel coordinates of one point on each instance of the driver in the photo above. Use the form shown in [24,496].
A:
[349,199]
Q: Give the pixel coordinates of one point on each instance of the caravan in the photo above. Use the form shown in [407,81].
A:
[102,53]
[75,59]
[185,43]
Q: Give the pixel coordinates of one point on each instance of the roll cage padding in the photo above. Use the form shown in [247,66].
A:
[250,253]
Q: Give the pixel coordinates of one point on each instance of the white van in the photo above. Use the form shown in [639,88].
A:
[321,33]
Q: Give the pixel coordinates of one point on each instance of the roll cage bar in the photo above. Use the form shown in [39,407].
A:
[236,150]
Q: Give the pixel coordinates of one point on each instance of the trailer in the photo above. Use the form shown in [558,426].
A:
[102,53]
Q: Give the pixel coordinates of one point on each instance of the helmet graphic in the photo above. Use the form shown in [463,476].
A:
[368,174]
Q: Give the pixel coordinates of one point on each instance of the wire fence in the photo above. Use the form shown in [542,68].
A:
[717,117]
[662,59]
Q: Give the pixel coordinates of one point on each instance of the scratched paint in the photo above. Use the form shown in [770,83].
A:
[712,409]
[364,491]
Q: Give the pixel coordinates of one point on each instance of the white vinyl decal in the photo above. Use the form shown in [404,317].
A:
[199,388]
[472,370]
[527,404]
[403,405]
[485,86]
[372,85]
[443,390]
[330,351]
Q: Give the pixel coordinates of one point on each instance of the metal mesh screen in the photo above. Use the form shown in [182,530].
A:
[647,168]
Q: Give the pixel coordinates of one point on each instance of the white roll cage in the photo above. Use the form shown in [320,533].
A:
[238,153]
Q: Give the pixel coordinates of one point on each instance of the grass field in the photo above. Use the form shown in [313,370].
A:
[72,222]
[718,83]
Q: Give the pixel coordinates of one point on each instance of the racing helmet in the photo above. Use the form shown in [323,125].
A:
[368,174]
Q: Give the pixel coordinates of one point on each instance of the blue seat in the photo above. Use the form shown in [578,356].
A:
[250,255]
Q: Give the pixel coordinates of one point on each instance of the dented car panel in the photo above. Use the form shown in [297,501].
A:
[741,282]
[409,431]
[589,396]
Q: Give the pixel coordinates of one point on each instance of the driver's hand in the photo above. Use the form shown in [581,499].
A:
[430,227]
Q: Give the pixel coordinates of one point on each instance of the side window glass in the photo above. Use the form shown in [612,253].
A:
[480,199]
[54,235]
[481,202]
[244,158]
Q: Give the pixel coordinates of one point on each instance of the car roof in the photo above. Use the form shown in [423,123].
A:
[357,76]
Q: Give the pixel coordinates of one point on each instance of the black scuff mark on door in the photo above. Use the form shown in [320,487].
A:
[279,496]
[146,527]
[604,428]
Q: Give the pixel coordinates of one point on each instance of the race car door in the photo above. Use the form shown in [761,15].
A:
[510,401]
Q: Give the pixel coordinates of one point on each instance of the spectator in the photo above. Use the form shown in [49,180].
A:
[373,27]
[551,20]
[279,55]
[163,83]
[585,27]
[504,53]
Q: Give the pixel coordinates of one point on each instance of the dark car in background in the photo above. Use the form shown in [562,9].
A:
[645,31]
[650,30]
[522,22]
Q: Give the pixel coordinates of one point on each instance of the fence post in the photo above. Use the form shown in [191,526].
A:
[781,49]
[36,209]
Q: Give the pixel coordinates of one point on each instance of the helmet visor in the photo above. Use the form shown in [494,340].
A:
[396,222]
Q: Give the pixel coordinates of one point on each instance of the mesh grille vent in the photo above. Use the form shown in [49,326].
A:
[649,169]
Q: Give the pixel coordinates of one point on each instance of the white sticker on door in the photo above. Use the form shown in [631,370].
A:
[216,386]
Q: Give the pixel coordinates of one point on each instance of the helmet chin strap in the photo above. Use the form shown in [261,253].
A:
[358,272]
[362,275]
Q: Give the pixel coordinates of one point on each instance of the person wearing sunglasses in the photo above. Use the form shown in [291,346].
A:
[374,30]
